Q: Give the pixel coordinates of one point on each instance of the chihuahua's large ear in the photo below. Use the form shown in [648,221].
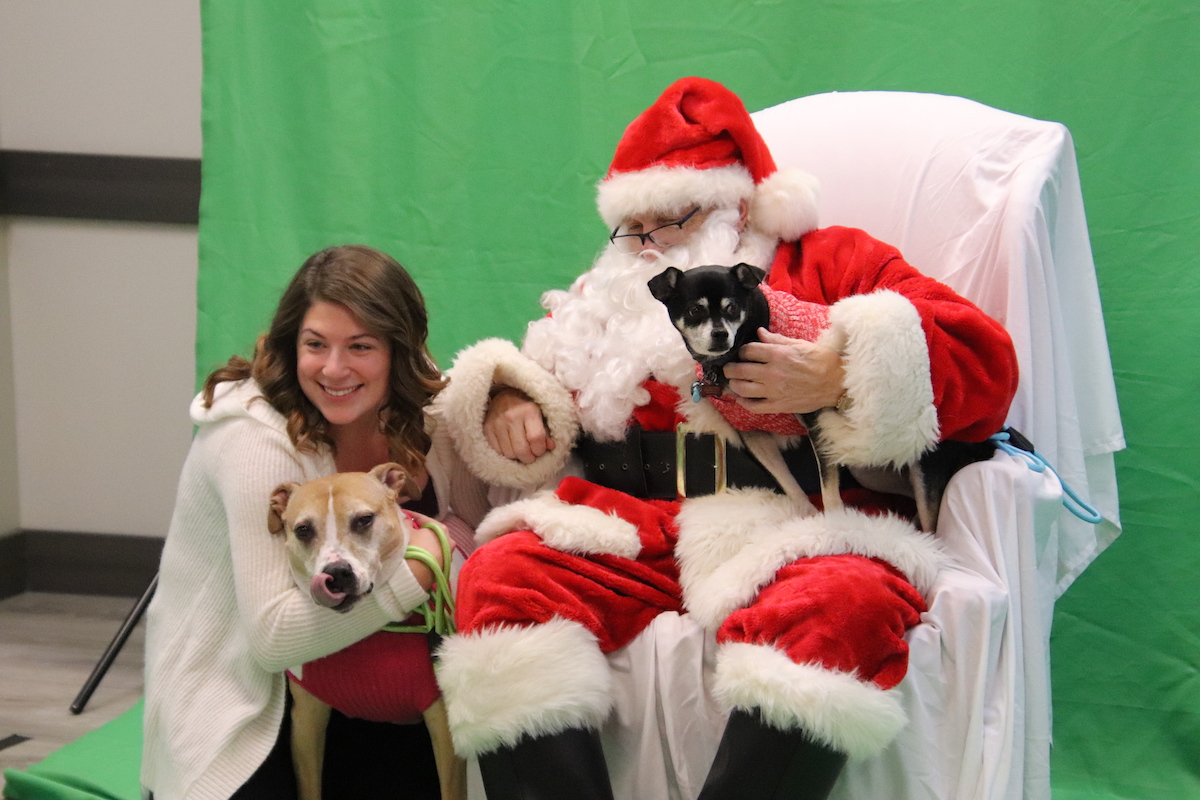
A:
[279,502]
[662,285]
[749,276]
[396,478]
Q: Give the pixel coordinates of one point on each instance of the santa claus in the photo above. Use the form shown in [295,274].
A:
[630,500]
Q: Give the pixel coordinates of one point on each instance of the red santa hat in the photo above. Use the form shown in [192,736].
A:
[697,146]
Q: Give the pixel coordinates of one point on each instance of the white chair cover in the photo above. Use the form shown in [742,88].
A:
[989,203]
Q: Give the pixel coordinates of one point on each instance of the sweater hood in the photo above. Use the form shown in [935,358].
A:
[237,399]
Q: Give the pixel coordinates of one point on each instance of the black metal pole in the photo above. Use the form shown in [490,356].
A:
[114,647]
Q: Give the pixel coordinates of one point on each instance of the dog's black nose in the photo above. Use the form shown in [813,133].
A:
[720,335]
[341,578]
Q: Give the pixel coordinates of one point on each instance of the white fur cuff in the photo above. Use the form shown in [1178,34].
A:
[731,546]
[891,420]
[463,404]
[577,529]
[505,683]
[834,708]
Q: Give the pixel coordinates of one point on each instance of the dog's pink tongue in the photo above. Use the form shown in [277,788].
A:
[319,588]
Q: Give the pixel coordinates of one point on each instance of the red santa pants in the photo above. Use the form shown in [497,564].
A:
[841,612]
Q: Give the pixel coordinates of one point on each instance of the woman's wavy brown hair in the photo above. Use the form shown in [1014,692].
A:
[386,301]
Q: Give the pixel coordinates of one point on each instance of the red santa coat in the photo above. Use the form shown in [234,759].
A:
[810,610]
[972,363]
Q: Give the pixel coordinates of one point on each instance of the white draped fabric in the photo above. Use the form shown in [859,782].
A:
[989,203]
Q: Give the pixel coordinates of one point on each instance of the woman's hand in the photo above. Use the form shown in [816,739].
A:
[514,426]
[779,375]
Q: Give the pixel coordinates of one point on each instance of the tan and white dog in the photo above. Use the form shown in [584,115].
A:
[344,533]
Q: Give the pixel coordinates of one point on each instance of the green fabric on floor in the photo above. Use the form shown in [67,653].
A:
[102,765]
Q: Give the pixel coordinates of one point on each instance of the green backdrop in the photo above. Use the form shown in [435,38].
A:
[465,139]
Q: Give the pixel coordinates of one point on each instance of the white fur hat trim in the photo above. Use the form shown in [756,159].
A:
[783,205]
[671,190]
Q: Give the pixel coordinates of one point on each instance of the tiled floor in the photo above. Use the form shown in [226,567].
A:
[49,644]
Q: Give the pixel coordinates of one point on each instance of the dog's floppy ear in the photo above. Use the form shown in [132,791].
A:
[396,478]
[279,502]
[662,285]
[748,276]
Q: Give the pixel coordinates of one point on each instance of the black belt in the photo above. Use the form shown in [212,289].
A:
[670,464]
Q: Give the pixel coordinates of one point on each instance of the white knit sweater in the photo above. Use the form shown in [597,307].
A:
[227,618]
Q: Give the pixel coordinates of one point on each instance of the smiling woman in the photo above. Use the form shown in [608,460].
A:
[364,295]
[339,383]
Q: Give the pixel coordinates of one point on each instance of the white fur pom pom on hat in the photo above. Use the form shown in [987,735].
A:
[785,204]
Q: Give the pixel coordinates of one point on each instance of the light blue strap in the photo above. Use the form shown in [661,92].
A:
[1073,502]
[438,610]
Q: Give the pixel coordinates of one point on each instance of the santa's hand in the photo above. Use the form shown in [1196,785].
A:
[514,426]
[779,375]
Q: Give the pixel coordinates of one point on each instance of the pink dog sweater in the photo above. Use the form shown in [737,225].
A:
[790,317]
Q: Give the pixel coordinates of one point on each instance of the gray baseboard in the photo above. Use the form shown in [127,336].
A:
[77,563]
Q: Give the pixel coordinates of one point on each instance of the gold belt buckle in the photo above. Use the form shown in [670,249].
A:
[681,433]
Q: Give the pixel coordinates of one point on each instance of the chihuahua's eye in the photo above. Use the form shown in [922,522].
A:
[304,532]
[694,315]
[731,310]
[362,523]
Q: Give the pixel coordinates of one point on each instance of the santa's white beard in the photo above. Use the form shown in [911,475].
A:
[606,335]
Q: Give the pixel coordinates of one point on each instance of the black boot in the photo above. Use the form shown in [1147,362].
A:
[563,765]
[758,762]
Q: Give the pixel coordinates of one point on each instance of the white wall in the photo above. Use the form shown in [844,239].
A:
[99,318]
[103,331]
[115,77]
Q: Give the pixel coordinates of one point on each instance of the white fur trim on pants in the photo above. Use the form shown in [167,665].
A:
[731,545]
[577,529]
[834,708]
[464,402]
[505,683]
[891,419]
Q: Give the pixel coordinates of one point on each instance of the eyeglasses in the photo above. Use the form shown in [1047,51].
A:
[667,235]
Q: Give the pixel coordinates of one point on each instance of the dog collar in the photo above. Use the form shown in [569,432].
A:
[706,385]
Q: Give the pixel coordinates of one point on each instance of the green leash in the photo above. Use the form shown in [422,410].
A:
[438,610]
